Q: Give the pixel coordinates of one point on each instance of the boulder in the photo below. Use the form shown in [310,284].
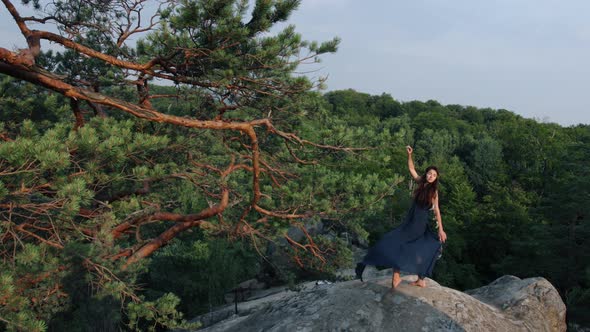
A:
[527,300]
[507,304]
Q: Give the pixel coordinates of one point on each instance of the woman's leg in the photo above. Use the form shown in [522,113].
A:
[359,269]
[395,279]
[420,282]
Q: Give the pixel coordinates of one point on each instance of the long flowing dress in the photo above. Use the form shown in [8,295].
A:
[411,247]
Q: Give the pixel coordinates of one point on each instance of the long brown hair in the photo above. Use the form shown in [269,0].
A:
[424,194]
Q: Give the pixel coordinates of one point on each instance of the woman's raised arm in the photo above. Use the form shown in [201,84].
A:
[411,163]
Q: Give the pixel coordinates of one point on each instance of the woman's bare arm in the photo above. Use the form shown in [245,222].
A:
[411,163]
[442,236]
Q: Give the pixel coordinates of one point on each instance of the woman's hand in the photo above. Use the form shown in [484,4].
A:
[409,149]
[442,236]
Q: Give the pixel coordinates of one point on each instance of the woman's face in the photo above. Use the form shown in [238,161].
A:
[431,176]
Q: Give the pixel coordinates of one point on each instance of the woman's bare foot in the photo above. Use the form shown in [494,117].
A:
[395,280]
[419,283]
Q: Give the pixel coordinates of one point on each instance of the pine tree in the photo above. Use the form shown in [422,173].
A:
[88,197]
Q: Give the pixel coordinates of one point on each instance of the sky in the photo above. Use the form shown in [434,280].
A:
[531,57]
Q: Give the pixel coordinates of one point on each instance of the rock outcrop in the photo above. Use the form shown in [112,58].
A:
[507,304]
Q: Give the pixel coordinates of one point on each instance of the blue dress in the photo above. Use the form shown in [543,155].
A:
[411,247]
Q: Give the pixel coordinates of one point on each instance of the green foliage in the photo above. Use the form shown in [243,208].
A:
[201,272]
[150,315]
[15,312]
[20,101]
[486,163]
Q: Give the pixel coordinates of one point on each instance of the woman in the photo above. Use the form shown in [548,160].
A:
[411,247]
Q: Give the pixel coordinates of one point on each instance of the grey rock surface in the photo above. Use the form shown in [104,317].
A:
[527,300]
[508,304]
